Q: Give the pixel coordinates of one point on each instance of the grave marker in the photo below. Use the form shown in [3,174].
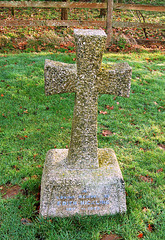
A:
[84,179]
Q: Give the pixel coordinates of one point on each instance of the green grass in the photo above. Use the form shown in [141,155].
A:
[32,123]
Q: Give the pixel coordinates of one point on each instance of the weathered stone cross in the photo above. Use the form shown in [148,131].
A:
[84,179]
[87,79]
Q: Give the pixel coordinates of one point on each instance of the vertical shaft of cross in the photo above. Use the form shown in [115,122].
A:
[83,146]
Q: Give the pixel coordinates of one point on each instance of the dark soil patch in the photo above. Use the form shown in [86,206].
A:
[111,237]
[9,191]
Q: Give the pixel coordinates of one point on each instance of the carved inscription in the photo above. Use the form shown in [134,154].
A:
[83,201]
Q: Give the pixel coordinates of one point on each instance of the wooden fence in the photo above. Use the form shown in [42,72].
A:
[62,5]
[48,4]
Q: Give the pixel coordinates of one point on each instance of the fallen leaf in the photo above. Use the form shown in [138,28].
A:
[38,196]
[106,132]
[22,45]
[34,177]
[4,115]
[140,235]
[110,108]
[26,221]
[21,138]
[145,209]
[25,179]
[159,170]
[146,178]
[161,146]
[103,112]
[39,166]
[150,228]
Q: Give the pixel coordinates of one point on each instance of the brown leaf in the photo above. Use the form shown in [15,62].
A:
[161,146]
[109,108]
[22,45]
[103,112]
[39,166]
[35,155]
[159,170]
[150,227]
[146,178]
[106,132]
[26,221]
[145,209]
[34,177]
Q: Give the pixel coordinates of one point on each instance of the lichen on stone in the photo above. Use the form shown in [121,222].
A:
[87,78]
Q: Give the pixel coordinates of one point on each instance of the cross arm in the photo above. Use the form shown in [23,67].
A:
[115,79]
[59,77]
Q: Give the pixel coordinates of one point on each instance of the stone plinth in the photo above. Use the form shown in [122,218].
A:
[66,192]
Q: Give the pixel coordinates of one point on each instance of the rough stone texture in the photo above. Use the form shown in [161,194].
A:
[59,77]
[83,145]
[115,79]
[66,192]
[87,79]
[84,179]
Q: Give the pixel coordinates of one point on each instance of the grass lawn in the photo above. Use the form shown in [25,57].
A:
[32,123]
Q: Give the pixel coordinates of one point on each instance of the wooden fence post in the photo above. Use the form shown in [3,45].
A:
[103,10]
[64,12]
[109,21]
[12,11]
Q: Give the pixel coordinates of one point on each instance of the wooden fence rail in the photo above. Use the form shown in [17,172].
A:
[45,4]
[74,23]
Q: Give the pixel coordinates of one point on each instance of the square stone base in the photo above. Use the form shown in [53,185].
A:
[66,192]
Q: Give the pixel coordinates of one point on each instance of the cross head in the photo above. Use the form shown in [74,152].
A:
[87,78]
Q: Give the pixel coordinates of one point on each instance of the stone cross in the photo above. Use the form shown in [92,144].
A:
[84,180]
[86,79]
